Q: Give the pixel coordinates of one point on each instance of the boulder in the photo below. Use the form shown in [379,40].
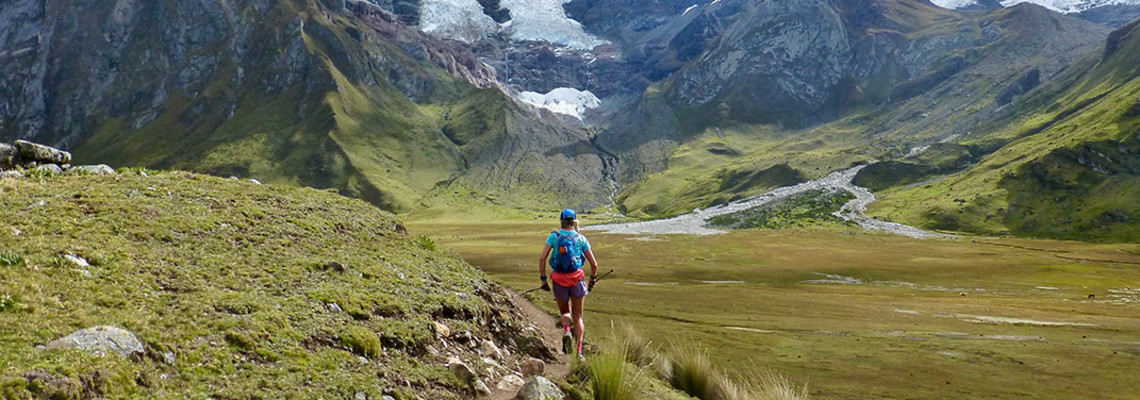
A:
[101,169]
[50,168]
[462,371]
[510,382]
[101,339]
[532,367]
[539,388]
[42,154]
[11,174]
[482,389]
[488,349]
[441,330]
[9,156]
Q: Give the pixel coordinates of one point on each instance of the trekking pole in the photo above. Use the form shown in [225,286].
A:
[528,291]
[604,275]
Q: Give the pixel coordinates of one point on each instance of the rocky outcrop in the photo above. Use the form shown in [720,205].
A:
[25,156]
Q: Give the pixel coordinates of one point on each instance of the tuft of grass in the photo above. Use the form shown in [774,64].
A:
[610,379]
[425,243]
[12,260]
[7,302]
[772,386]
[689,370]
[637,348]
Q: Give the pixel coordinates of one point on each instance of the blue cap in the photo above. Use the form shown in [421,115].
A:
[569,214]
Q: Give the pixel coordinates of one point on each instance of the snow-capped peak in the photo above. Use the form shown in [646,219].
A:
[1062,6]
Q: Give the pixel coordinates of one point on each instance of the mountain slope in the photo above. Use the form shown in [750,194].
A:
[235,290]
[1069,170]
[304,92]
[900,76]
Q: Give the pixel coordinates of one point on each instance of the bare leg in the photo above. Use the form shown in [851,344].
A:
[564,309]
[579,325]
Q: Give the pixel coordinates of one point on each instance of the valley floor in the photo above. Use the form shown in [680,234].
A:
[858,315]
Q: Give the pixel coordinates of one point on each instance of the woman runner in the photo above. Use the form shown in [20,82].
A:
[570,287]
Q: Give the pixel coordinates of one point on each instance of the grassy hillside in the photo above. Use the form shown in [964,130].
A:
[237,290]
[1066,167]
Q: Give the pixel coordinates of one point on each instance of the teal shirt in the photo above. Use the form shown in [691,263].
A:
[583,244]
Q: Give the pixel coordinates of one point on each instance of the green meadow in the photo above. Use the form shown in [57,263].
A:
[856,315]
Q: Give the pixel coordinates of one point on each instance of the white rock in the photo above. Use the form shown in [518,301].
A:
[76,260]
[255,181]
[100,339]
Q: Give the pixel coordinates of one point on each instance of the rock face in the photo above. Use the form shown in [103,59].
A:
[9,156]
[101,339]
[539,388]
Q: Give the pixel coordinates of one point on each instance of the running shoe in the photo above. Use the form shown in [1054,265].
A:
[567,343]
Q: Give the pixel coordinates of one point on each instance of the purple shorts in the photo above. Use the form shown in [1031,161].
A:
[565,293]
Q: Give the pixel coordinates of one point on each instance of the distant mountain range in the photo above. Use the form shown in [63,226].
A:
[655,107]
[1109,12]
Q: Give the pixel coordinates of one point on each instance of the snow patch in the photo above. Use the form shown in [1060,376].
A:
[954,4]
[689,9]
[569,101]
[546,20]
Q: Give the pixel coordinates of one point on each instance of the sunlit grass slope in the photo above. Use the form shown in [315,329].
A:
[253,291]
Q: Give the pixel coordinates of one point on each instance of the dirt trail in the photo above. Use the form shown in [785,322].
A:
[551,336]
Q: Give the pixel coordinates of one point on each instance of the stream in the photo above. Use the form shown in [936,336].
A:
[695,223]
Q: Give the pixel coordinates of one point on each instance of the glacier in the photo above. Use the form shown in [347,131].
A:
[461,20]
[546,20]
[563,100]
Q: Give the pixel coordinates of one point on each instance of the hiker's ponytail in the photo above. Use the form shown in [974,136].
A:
[570,224]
